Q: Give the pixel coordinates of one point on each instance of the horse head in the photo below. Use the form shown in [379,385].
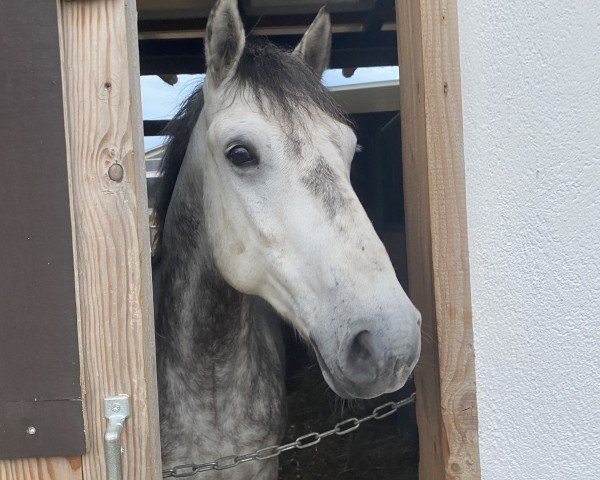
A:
[273,156]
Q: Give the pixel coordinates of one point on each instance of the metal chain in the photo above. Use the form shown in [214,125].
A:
[309,440]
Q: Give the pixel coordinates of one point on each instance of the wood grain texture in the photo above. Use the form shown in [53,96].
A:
[53,468]
[104,128]
[438,262]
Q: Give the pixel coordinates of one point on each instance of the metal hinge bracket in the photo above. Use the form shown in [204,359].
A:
[116,410]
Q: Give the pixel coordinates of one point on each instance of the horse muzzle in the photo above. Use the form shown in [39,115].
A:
[370,363]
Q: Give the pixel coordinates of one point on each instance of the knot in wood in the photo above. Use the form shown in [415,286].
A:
[115,172]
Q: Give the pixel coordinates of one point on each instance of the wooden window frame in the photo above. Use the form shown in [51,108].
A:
[436,226]
[103,126]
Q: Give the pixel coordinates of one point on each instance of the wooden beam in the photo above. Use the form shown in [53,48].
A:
[259,31]
[438,263]
[177,56]
[190,26]
[109,215]
[367,98]
[154,128]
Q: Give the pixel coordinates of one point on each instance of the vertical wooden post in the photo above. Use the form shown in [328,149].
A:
[110,221]
[438,263]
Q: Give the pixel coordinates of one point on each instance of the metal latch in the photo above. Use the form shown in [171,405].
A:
[116,410]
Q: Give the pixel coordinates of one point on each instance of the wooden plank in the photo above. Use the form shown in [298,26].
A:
[189,26]
[39,360]
[53,468]
[381,96]
[438,263]
[165,33]
[104,126]
[176,56]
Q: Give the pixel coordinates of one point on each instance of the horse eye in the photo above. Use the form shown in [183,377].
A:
[240,156]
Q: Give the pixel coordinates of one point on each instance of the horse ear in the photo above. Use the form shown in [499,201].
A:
[225,40]
[315,46]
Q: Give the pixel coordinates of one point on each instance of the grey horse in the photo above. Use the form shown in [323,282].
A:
[258,222]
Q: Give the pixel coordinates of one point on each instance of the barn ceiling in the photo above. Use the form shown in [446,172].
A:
[173,9]
[171,32]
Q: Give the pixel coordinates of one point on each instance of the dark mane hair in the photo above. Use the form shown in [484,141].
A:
[280,82]
[178,131]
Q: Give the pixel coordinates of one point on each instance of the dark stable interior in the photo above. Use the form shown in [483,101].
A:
[378,450]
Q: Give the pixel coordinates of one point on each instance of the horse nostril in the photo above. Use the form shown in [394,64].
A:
[361,346]
[363,358]
[376,361]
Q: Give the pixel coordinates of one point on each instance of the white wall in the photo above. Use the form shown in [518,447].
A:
[531,101]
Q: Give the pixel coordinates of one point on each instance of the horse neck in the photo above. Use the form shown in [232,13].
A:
[198,312]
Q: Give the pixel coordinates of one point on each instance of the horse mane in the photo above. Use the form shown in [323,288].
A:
[282,83]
